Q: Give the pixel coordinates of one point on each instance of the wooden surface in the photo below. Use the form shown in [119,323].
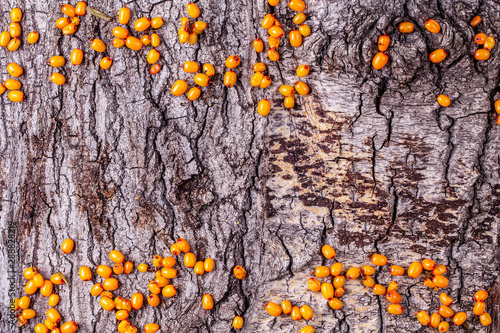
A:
[368,162]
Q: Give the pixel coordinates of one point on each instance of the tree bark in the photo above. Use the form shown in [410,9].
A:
[367,162]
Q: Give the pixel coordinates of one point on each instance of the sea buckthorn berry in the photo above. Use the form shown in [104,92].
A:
[124,15]
[485,319]
[440,281]
[63,22]
[156,22]
[33,37]
[302,70]
[379,289]
[393,297]
[480,295]
[201,79]
[136,301]
[174,249]
[480,38]
[107,303]
[459,318]
[378,260]
[15,70]
[445,311]
[38,280]
[287,90]
[53,315]
[50,325]
[208,69]
[368,281]
[169,291]
[229,79]
[155,69]
[153,56]
[435,320]
[336,269]
[99,46]
[179,88]
[277,32]
[443,326]
[81,8]
[415,269]
[482,54]
[208,265]
[190,258]
[5,39]
[304,30]
[256,79]
[444,101]
[475,21]
[273,309]
[24,302]
[327,290]
[393,285]
[106,63]
[430,284]
[445,299]
[299,18]
[489,43]
[68,10]
[68,244]
[406,27]
[286,306]
[208,302]
[104,271]
[199,26]
[339,292]
[368,270]
[432,26]
[193,10]
[273,2]
[69,29]
[13,84]
[120,32]
[437,56]
[181,242]
[320,271]
[263,108]
[383,43]
[380,60]
[142,267]
[107,294]
[145,40]
[14,29]
[121,314]
[259,67]
[75,20]
[2,88]
[198,268]
[335,303]
[273,42]
[16,15]
[306,312]
[169,273]
[238,322]
[29,272]
[14,44]
[327,250]
[354,272]
[123,326]
[154,300]
[30,287]
[479,308]
[118,303]
[193,38]
[258,45]
[110,284]
[16,96]
[232,61]
[289,102]
[268,21]
[127,267]
[168,262]
[183,35]
[41,328]
[440,270]
[76,57]
[266,82]
[423,318]
[142,24]
[339,281]
[429,264]
[155,40]
[96,289]
[313,284]
[28,314]
[395,309]
[151,328]
[272,54]
[118,269]
[161,281]
[239,272]
[297,5]
[46,289]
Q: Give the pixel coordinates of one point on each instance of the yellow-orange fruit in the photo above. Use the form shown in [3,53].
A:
[335,303]
[415,269]
[314,284]
[446,311]
[475,21]
[328,251]
[437,56]
[286,306]
[295,315]
[142,24]
[179,88]
[406,27]
[395,309]
[432,26]
[306,312]
[353,273]
[380,60]
[423,317]
[264,107]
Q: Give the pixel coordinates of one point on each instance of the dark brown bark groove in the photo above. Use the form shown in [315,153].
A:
[368,162]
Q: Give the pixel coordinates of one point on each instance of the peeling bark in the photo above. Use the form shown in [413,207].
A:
[368,162]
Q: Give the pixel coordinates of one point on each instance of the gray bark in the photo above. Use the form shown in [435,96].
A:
[368,162]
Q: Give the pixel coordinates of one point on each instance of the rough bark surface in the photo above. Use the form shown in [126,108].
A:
[368,162]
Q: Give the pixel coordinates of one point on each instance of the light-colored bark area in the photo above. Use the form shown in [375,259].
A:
[367,162]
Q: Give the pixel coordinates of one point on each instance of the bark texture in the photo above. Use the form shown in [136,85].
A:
[368,162]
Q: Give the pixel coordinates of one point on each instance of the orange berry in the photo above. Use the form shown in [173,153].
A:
[169,291]
[336,269]
[154,300]
[479,308]
[395,309]
[480,38]
[423,318]
[481,295]
[445,311]
[482,54]
[179,88]
[304,30]
[202,80]
[264,107]
[295,38]
[306,312]
[266,82]
[339,292]
[339,281]
[193,10]
[273,309]
[313,284]
[151,328]
[190,258]
[459,318]
[353,273]
[239,272]
[327,250]
[286,306]
[81,8]
[229,79]
[299,18]
[237,322]
[445,299]
[136,301]
[429,264]
[134,43]
[383,43]
[52,315]
[415,269]
[327,290]
[440,270]
[335,303]
[320,271]
[379,260]
[485,319]
[393,285]
[256,79]
[142,24]
[110,284]
[296,313]
[475,21]
[96,289]
[368,270]
[435,320]
[198,268]
[433,26]
[444,101]
[393,297]
[273,54]
[437,56]
[297,5]
[368,281]
[85,273]
[267,21]
[443,326]
[258,45]
[489,43]
[379,289]
[440,281]
[380,60]
[396,270]
[232,61]
[406,27]
[289,102]
[208,265]
[208,302]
